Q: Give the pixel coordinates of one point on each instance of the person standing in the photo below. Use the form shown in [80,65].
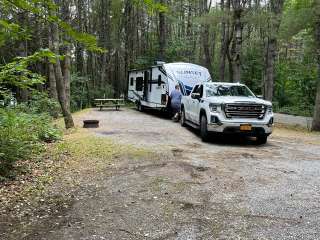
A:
[175,97]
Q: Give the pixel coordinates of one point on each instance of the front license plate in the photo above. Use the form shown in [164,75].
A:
[245,127]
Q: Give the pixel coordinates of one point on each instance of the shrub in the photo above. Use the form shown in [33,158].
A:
[40,103]
[21,135]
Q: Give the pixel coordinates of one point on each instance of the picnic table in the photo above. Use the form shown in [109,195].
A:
[109,102]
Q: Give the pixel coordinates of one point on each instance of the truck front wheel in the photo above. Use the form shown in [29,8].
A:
[204,128]
[262,139]
[183,118]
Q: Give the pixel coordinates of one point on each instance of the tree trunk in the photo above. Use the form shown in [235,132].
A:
[105,42]
[81,28]
[52,78]
[270,73]
[22,93]
[316,116]
[223,50]
[60,80]
[271,49]
[205,38]
[129,30]
[67,53]
[162,34]
[67,74]
[237,44]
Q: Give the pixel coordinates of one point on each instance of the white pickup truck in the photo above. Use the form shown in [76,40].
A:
[227,108]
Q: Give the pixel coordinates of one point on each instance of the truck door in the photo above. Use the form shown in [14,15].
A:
[195,106]
[190,102]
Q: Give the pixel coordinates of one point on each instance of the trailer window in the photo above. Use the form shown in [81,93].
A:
[139,83]
[131,81]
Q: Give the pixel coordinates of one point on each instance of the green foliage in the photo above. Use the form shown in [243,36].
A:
[40,103]
[298,16]
[87,40]
[253,67]
[152,5]
[296,87]
[21,135]
[83,95]
[178,50]
[44,9]
[17,72]
[11,32]
[80,92]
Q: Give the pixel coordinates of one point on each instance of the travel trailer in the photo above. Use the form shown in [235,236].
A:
[150,87]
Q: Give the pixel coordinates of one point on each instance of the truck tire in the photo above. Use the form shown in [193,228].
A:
[183,118]
[204,128]
[262,139]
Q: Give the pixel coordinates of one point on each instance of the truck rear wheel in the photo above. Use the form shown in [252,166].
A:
[204,128]
[262,139]
[183,118]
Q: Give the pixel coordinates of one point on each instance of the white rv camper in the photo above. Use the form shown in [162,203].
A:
[150,87]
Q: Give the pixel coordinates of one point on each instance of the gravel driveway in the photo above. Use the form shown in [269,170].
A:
[226,189]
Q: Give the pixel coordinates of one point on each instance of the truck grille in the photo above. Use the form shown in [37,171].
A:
[244,110]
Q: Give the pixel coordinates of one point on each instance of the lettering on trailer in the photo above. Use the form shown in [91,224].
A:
[188,72]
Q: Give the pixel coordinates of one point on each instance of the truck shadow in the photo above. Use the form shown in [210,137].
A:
[157,113]
[228,139]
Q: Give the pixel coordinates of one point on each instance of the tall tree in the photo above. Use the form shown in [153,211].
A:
[276,7]
[162,33]
[205,35]
[316,116]
[238,10]
[51,72]
[79,52]
[223,50]
[60,79]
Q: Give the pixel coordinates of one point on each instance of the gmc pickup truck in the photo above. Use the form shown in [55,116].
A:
[227,108]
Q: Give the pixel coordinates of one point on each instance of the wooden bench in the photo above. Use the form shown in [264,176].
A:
[109,103]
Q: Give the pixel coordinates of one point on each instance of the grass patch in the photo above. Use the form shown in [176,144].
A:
[296,128]
[67,164]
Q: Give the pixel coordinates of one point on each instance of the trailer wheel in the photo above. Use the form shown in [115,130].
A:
[183,118]
[139,106]
[204,129]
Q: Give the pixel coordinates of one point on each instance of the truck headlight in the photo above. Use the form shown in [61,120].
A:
[214,107]
[269,109]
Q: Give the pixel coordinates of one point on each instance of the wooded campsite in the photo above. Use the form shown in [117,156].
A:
[58,56]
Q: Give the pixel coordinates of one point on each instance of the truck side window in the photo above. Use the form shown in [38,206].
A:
[131,81]
[200,90]
[195,90]
[139,84]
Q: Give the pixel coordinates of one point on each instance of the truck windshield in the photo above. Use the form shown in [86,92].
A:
[227,90]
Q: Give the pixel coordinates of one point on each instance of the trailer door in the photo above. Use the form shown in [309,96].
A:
[145,85]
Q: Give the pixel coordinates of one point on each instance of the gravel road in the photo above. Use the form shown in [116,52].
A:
[304,122]
[229,188]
